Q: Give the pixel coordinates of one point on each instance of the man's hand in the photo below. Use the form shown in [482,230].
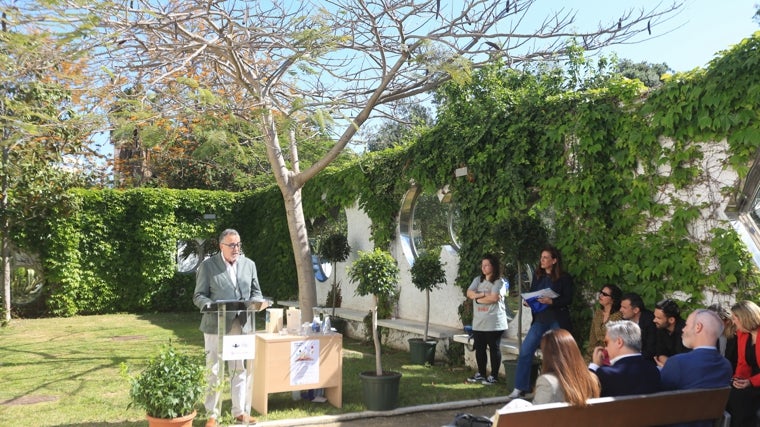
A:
[598,356]
[660,360]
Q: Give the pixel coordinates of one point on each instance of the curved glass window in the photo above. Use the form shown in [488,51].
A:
[191,252]
[427,222]
[27,281]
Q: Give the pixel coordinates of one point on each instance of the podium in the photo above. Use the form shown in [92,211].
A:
[222,307]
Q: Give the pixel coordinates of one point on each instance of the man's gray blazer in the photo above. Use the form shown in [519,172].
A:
[212,283]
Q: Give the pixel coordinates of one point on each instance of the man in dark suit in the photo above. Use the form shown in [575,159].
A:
[703,367]
[628,372]
[228,275]
[632,308]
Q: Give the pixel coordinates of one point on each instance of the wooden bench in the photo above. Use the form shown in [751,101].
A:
[626,411]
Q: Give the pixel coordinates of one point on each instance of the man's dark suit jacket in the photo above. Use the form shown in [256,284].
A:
[648,335]
[629,375]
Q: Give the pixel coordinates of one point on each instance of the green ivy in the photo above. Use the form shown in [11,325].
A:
[547,162]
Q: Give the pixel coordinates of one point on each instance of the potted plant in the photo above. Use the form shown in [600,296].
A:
[334,249]
[376,273]
[169,388]
[427,274]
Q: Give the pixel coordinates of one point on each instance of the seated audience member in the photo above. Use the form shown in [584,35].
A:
[727,341]
[632,308]
[565,377]
[607,311]
[667,318]
[628,372]
[744,399]
[703,367]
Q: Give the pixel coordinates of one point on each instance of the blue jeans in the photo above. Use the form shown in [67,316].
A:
[527,350]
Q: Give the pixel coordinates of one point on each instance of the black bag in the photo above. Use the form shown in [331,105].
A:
[469,420]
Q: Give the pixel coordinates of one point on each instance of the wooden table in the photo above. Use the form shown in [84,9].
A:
[291,362]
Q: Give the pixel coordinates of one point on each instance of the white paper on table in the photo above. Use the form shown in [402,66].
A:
[304,362]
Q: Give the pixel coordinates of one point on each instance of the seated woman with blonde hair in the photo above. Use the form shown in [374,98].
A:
[565,376]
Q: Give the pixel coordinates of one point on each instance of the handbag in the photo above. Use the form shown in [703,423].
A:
[470,420]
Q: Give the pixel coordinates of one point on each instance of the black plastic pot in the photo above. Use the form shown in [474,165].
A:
[380,392]
[339,324]
[422,352]
[510,368]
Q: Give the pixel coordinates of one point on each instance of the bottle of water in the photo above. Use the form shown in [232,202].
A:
[316,324]
[326,327]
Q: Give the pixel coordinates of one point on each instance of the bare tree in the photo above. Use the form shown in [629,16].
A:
[334,62]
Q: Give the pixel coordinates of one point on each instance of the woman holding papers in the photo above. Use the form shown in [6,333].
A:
[550,309]
[489,318]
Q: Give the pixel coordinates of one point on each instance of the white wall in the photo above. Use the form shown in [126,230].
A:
[443,301]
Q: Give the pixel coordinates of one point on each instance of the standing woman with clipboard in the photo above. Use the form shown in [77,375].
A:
[548,313]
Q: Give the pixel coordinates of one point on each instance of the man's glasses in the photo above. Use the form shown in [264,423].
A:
[604,294]
[232,245]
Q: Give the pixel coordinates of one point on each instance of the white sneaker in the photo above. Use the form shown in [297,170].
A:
[516,394]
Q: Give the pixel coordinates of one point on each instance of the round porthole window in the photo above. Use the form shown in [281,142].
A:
[191,252]
[27,281]
[427,222]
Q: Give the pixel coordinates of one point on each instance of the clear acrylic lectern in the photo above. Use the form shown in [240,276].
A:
[248,308]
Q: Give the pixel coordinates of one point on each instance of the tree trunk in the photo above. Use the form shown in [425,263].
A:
[6,276]
[334,286]
[5,239]
[427,314]
[376,340]
[299,238]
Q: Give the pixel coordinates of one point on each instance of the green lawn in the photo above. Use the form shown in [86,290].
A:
[66,371]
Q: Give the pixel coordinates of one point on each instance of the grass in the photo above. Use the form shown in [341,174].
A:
[66,371]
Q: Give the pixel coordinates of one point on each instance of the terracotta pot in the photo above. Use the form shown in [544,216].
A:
[186,421]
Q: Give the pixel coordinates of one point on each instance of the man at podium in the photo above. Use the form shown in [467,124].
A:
[228,275]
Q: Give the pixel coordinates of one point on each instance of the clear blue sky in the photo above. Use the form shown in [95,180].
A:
[696,34]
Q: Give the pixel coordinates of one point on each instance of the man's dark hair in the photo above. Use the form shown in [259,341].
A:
[670,308]
[635,300]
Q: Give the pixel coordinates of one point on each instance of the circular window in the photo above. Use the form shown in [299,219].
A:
[427,222]
[191,252]
[26,278]
[188,255]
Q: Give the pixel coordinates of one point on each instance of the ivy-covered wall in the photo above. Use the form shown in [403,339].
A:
[598,167]
[609,172]
[111,251]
